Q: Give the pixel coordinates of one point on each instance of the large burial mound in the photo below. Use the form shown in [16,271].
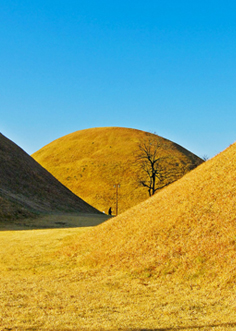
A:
[27,189]
[90,162]
[186,231]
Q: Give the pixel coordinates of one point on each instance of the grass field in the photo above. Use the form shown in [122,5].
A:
[168,263]
[43,287]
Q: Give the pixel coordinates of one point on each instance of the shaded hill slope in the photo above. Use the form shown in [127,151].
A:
[90,162]
[187,230]
[26,188]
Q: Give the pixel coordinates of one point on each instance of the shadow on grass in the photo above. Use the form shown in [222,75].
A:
[54,221]
[195,327]
[199,327]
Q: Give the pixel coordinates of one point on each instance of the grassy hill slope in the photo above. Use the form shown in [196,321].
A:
[89,162]
[186,231]
[27,189]
[165,264]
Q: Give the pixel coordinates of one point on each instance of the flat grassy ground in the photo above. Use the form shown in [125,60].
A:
[44,287]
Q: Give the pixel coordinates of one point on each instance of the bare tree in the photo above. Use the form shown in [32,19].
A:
[159,166]
[150,162]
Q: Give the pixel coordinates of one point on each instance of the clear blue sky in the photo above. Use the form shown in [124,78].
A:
[165,66]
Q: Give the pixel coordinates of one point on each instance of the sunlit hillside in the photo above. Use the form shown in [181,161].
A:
[165,264]
[90,162]
[186,231]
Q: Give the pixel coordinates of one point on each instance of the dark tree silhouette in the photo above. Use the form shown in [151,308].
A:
[151,172]
[158,165]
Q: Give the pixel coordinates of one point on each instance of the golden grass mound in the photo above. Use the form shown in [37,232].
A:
[90,162]
[186,231]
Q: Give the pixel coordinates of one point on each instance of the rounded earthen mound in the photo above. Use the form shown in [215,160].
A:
[92,162]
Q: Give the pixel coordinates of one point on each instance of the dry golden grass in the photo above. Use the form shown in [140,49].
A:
[185,233]
[186,230]
[40,289]
[167,264]
[89,162]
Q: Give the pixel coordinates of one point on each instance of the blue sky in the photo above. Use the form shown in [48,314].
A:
[161,66]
